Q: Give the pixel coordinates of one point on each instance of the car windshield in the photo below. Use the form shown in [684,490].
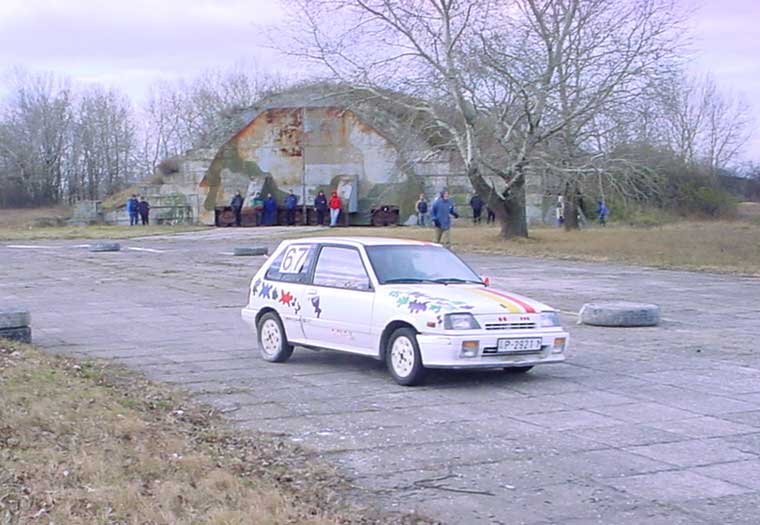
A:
[418,264]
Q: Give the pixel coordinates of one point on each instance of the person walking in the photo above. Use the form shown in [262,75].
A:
[143,207]
[476,203]
[422,210]
[270,210]
[443,210]
[320,205]
[291,203]
[132,205]
[237,207]
[602,212]
[257,203]
[335,206]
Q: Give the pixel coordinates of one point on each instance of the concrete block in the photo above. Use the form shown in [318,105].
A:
[22,334]
[14,318]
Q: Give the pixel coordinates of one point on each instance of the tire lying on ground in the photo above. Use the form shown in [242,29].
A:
[620,314]
[250,250]
[105,247]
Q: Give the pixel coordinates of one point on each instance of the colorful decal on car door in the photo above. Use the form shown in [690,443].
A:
[511,304]
[315,305]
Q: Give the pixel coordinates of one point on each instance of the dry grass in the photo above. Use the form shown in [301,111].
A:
[91,232]
[84,443]
[48,224]
[718,246]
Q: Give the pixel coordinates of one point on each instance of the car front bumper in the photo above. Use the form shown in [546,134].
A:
[446,351]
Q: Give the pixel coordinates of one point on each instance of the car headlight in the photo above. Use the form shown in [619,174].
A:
[549,319]
[460,322]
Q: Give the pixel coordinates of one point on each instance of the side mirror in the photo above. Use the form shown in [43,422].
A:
[486,281]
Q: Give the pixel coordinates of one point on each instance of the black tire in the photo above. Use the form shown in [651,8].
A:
[518,369]
[405,364]
[273,342]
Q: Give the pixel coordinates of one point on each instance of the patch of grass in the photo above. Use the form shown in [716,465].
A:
[91,232]
[88,443]
[715,246]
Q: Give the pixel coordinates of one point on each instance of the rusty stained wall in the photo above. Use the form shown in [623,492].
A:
[288,144]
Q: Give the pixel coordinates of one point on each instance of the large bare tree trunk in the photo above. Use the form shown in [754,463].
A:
[571,206]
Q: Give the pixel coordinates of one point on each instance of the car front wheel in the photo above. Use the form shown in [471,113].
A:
[402,356]
[273,343]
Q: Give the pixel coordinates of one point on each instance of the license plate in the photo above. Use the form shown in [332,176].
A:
[519,345]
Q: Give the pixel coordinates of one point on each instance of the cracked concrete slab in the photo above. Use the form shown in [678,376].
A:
[643,425]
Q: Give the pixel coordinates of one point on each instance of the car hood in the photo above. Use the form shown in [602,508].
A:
[476,299]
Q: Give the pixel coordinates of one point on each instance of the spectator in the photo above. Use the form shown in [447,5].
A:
[291,203]
[335,206]
[320,205]
[443,210]
[132,205]
[258,207]
[143,207]
[270,210]
[422,210]
[237,207]
[560,210]
[491,217]
[476,203]
[602,212]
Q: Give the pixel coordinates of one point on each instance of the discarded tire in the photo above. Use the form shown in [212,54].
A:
[619,313]
[246,251]
[14,324]
[105,247]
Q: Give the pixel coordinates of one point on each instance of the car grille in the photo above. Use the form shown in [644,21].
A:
[510,326]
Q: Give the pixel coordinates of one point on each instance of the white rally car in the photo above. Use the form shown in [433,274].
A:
[414,304]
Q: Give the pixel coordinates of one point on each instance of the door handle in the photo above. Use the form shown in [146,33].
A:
[311,293]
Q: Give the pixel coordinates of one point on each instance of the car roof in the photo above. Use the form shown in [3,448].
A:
[361,241]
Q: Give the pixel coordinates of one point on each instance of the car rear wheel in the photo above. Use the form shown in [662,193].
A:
[402,355]
[273,343]
[517,369]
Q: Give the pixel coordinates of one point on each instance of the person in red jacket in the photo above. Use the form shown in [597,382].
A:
[335,206]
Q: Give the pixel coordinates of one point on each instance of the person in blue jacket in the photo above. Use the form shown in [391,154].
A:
[602,212]
[270,210]
[320,205]
[291,203]
[132,205]
[443,210]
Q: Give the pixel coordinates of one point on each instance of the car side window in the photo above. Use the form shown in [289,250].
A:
[293,265]
[341,268]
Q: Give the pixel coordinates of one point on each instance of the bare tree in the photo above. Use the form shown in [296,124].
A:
[507,81]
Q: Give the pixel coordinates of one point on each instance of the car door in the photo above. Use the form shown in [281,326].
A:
[285,284]
[338,305]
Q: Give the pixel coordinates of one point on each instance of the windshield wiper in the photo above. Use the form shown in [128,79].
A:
[456,280]
[407,280]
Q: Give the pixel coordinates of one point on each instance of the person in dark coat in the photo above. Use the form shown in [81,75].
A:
[443,210]
[132,205]
[237,207]
[291,203]
[143,207]
[320,205]
[491,217]
[422,210]
[270,211]
[476,203]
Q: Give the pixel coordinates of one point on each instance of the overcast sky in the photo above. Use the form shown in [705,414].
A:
[131,43]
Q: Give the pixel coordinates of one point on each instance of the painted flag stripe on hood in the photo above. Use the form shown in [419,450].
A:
[512,304]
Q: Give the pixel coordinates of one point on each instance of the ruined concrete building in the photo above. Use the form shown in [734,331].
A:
[304,140]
